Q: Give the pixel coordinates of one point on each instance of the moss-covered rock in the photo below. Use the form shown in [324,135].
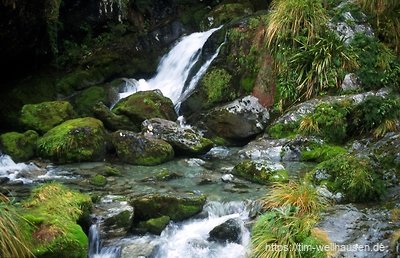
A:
[261,171]
[354,177]
[76,140]
[183,140]
[145,105]
[155,225]
[321,152]
[20,146]
[88,98]
[282,130]
[52,212]
[46,115]
[176,206]
[98,180]
[138,149]
[112,121]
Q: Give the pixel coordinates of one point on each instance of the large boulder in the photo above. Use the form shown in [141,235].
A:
[46,115]
[176,206]
[20,146]
[76,140]
[237,120]
[230,231]
[139,149]
[183,139]
[145,105]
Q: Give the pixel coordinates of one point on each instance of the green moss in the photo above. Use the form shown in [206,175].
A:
[354,177]
[21,147]
[121,220]
[53,211]
[76,140]
[156,225]
[216,82]
[280,130]
[321,152]
[145,105]
[111,171]
[88,98]
[98,180]
[259,172]
[46,115]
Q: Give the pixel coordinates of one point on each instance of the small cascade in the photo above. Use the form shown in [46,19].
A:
[12,170]
[191,238]
[174,69]
[95,247]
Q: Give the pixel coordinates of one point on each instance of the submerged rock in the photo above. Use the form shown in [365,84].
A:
[145,105]
[228,232]
[77,140]
[20,146]
[176,206]
[183,139]
[44,116]
[237,120]
[138,149]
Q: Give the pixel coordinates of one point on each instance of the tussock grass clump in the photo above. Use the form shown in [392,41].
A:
[14,242]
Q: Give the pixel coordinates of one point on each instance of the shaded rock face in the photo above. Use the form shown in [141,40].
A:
[229,231]
[145,105]
[237,120]
[77,140]
[138,149]
[112,121]
[176,206]
[46,115]
[184,140]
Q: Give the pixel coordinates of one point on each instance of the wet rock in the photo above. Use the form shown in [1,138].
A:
[20,146]
[195,162]
[237,120]
[261,171]
[145,105]
[263,148]
[44,116]
[324,192]
[163,175]
[227,178]
[77,140]
[142,246]
[138,149]
[185,140]
[112,121]
[227,232]
[154,226]
[293,149]
[114,215]
[176,206]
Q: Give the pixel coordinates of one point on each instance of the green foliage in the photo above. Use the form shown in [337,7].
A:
[321,152]
[20,147]
[281,130]
[310,59]
[216,83]
[14,241]
[376,115]
[377,63]
[278,232]
[352,176]
[328,121]
[386,19]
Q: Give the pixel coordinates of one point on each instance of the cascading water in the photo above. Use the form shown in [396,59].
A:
[174,69]
[95,248]
[12,170]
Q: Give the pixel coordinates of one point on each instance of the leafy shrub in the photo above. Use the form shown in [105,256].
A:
[329,121]
[376,115]
[354,177]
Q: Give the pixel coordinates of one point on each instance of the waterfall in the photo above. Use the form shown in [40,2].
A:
[174,69]
[95,247]
[12,170]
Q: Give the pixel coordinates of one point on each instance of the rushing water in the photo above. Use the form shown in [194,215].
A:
[174,69]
